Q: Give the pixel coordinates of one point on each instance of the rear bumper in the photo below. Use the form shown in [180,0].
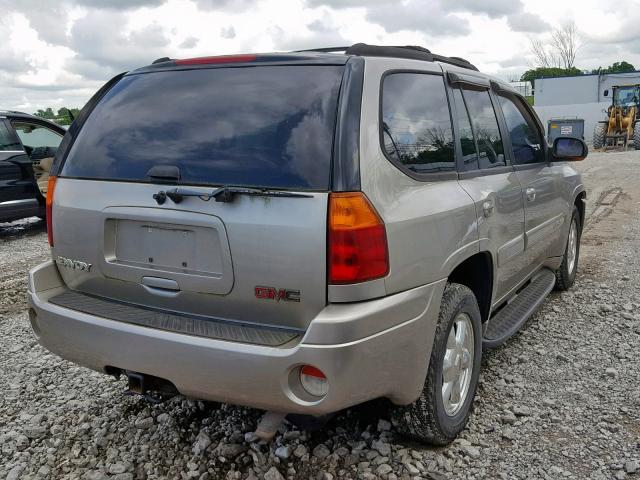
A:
[367,350]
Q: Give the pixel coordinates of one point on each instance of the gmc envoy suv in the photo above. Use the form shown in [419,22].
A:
[302,232]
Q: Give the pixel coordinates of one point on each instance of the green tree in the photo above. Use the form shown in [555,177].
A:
[48,113]
[548,72]
[617,67]
[64,115]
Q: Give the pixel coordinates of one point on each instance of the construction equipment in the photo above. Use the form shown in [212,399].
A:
[622,116]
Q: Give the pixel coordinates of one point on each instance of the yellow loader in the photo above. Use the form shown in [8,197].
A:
[622,115]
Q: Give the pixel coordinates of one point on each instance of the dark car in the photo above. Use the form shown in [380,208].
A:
[27,147]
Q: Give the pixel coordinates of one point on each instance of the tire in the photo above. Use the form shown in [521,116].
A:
[426,420]
[566,274]
[636,136]
[598,135]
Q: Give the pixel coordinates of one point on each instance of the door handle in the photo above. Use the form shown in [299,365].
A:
[487,208]
[531,194]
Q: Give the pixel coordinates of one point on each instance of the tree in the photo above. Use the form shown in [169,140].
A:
[64,116]
[617,67]
[548,72]
[565,43]
[543,56]
[48,113]
[559,51]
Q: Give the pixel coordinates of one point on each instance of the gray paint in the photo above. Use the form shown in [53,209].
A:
[372,339]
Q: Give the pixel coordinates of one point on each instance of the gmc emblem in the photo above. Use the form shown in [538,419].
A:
[270,293]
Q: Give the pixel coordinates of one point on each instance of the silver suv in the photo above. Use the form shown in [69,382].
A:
[307,231]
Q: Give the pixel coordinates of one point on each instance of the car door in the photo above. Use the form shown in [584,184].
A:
[544,208]
[41,143]
[16,188]
[488,178]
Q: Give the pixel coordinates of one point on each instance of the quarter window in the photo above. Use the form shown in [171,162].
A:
[416,124]
[485,128]
[525,138]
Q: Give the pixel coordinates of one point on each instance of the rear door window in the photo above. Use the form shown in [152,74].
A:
[486,130]
[465,132]
[416,124]
[38,141]
[263,126]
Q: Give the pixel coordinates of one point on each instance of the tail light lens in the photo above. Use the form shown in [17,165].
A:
[51,185]
[357,240]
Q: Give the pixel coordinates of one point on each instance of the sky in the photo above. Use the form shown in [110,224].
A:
[58,52]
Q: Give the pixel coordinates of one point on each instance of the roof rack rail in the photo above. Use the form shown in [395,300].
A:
[413,52]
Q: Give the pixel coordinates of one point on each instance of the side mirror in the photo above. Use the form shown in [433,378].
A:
[606,93]
[569,149]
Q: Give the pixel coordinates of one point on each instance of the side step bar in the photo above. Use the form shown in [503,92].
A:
[504,324]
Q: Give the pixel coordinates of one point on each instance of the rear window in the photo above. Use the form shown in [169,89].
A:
[258,126]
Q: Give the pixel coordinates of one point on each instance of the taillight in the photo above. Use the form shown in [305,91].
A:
[357,240]
[217,59]
[51,185]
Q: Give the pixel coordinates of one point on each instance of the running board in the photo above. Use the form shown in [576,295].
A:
[504,324]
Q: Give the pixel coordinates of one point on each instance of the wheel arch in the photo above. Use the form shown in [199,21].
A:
[476,273]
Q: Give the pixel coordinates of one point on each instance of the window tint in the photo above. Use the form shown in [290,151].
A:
[525,138]
[467,142]
[7,140]
[265,126]
[485,128]
[36,136]
[416,124]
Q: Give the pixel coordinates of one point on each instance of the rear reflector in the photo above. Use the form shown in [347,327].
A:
[217,59]
[314,381]
[51,185]
[357,240]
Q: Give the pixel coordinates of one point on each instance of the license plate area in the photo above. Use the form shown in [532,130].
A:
[189,248]
[164,247]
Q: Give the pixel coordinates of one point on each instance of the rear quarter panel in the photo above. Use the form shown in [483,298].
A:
[431,226]
[570,186]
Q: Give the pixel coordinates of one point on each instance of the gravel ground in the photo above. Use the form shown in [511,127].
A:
[559,400]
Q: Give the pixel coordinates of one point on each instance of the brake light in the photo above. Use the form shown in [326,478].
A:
[51,185]
[217,59]
[357,240]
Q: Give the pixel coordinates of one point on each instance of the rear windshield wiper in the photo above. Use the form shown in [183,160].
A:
[223,194]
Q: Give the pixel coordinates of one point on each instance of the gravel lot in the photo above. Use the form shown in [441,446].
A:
[560,400]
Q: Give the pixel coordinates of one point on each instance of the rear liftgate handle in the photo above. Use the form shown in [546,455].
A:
[163,287]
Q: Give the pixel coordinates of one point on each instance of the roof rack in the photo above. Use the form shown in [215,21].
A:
[396,51]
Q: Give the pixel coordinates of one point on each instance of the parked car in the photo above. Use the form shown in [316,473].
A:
[304,232]
[27,147]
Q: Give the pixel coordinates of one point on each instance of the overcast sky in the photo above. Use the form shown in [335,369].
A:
[58,52]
